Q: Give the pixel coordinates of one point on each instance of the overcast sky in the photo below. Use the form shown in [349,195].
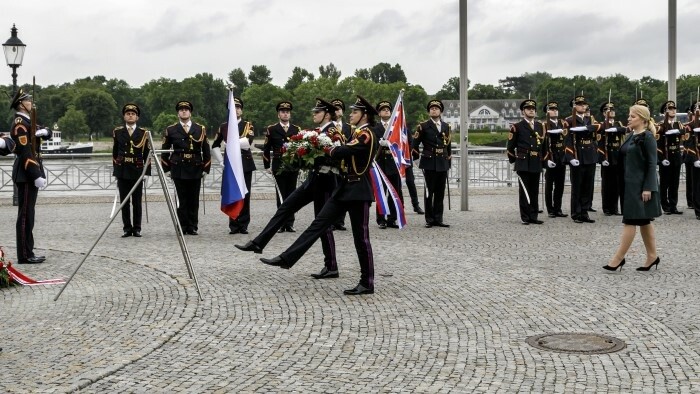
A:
[141,40]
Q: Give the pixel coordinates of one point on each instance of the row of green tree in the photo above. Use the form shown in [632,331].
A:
[92,105]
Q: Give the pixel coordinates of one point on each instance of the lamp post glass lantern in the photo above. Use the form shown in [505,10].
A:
[14,53]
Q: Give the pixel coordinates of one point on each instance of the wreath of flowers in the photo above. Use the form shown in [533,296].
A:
[5,280]
[303,149]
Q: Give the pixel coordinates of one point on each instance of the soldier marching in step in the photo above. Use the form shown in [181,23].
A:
[347,130]
[129,152]
[317,188]
[276,136]
[188,164]
[526,150]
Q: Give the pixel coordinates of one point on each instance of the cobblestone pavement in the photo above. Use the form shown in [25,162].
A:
[451,313]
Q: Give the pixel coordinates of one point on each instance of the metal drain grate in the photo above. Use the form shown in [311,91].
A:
[580,343]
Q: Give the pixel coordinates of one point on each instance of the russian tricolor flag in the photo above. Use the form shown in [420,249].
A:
[233,188]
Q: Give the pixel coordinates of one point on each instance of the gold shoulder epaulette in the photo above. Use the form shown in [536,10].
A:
[18,120]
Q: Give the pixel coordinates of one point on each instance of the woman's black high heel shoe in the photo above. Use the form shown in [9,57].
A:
[655,263]
[609,268]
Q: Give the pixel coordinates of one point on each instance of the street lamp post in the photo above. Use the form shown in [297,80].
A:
[14,53]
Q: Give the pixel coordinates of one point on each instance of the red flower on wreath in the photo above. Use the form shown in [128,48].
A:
[301,151]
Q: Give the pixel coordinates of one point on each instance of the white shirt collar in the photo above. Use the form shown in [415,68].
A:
[188,124]
[324,125]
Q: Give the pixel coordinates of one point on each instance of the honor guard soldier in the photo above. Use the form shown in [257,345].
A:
[435,159]
[669,137]
[276,136]
[353,195]
[525,150]
[582,156]
[347,131]
[688,141]
[555,173]
[188,164]
[385,161]
[27,173]
[317,188]
[246,135]
[609,142]
[129,153]
[692,153]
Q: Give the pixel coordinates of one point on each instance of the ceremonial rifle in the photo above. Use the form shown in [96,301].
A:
[32,129]
[573,123]
[607,124]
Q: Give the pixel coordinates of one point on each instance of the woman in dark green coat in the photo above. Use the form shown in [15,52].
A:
[640,192]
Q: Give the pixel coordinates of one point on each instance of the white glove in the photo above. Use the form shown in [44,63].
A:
[555,131]
[245,144]
[611,130]
[216,152]
[204,175]
[605,163]
[574,162]
[383,142]
[672,132]
[2,143]
[697,163]
[40,183]
[665,163]
[42,132]
[697,130]
[551,164]
[579,128]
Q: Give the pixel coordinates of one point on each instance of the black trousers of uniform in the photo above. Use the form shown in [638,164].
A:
[314,191]
[591,188]
[609,188]
[395,180]
[528,210]
[554,188]
[669,178]
[689,184]
[243,220]
[411,185]
[26,196]
[581,185]
[124,186]
[359,220]
[341,219]
[435,182]
[286,184]
[188,196]
[696,190]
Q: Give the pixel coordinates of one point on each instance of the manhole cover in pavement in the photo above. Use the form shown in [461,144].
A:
[582,343]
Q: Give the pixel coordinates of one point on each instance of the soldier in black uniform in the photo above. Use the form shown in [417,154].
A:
[129,153]
[411,181]
[435,160]
[582,156]
[525,150]
[246,135]
[669,137]
[27,173]
[317,188]
[353,195]
[555,173]
[688,158]
[692,154]
[188,164]
[609,141]
[276,136]
[386,163]
[347,131]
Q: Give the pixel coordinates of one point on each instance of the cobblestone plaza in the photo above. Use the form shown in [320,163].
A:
[451,313]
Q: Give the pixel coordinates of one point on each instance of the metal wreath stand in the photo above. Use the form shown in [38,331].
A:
[173,215]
